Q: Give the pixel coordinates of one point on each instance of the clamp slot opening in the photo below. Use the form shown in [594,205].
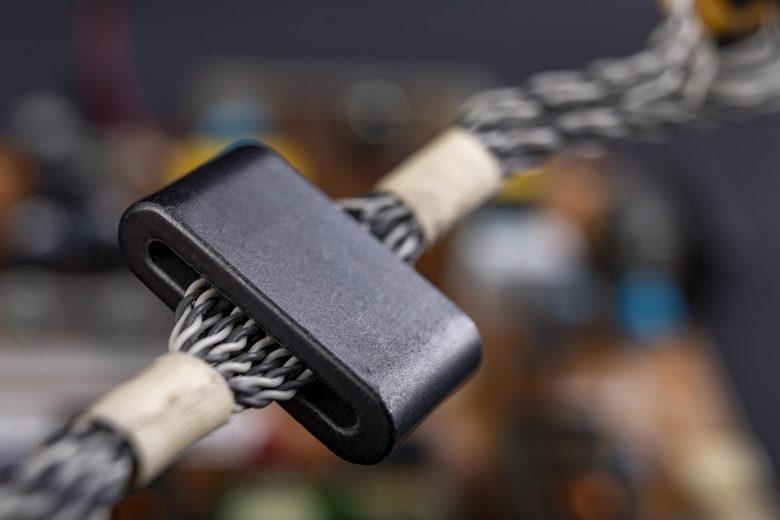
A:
[171,266]
[333,408]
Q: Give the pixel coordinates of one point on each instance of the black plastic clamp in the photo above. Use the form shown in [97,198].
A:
[386,346]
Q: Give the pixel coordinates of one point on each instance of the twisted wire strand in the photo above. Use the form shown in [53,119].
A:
[79,473]
[682,77]
[389,220]
[664,85]
[257,369]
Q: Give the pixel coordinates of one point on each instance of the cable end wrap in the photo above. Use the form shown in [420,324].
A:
[448,178]
[166,408]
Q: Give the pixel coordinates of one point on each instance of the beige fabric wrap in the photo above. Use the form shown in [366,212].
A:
[445,181]
[166,408]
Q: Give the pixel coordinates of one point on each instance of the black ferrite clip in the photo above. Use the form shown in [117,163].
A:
[385,345]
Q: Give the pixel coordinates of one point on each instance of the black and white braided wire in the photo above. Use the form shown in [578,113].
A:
[390,220]
[682,77]
[80,472]
[257,369]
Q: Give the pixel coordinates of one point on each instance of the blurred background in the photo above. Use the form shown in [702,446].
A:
[627,299]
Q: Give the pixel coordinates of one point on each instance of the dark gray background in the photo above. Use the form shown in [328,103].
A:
[515,37]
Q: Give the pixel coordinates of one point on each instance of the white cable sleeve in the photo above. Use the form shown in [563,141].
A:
[444,181]
[165,409]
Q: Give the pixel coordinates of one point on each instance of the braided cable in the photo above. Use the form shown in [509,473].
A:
[257,369]
[389,220]
[77,474]
[611,99]
[682,77]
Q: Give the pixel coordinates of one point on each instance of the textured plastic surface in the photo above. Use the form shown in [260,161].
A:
[386,345]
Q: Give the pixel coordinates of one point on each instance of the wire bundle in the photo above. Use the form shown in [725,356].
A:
[665,84]
[77,474]
[257,369]
[682,77]
[390,220]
